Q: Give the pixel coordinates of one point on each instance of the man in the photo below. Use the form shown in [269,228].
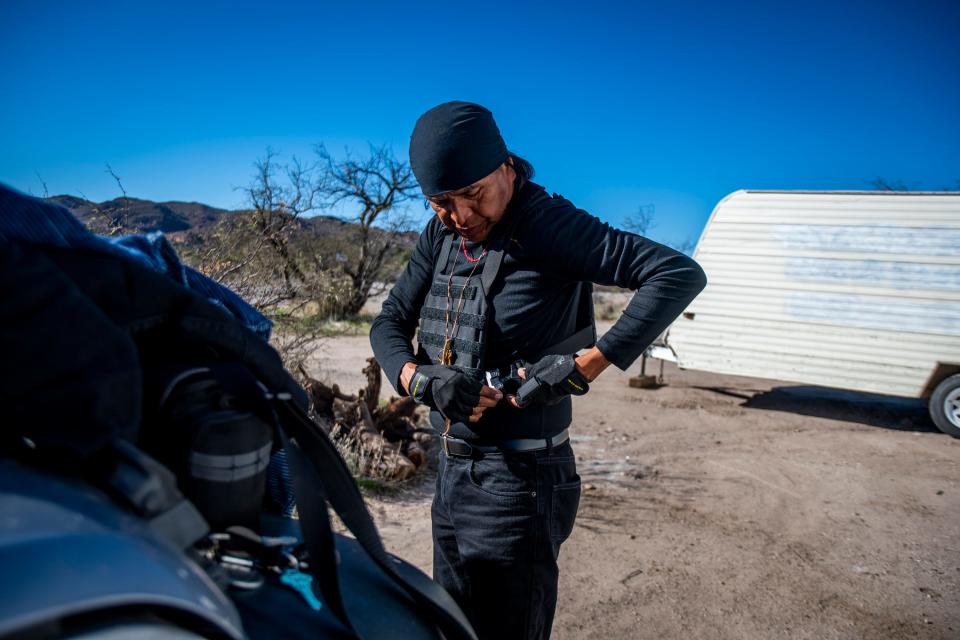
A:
[501,276]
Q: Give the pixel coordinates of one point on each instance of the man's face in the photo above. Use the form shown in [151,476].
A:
[473,211]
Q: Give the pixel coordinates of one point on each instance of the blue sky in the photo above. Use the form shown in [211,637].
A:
[616,104]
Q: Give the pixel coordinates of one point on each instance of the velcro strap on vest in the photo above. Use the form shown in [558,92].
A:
[441,290]
[465,319]
[435,340]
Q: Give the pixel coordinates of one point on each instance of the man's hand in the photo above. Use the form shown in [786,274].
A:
[550,379]
[558,376]
[489,397]
[455,395]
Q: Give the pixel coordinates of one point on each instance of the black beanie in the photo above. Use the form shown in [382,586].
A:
[453,145]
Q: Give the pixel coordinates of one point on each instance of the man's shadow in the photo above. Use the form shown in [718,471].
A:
[875,410]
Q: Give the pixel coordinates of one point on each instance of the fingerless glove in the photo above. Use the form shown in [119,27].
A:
[550,379]
[447,390]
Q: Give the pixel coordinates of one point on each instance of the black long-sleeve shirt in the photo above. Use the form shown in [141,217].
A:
[554,246]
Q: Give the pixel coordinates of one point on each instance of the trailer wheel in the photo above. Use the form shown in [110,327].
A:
[945,405]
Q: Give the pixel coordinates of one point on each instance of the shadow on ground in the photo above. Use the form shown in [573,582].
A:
[886,412]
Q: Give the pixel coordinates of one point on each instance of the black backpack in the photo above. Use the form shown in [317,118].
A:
[109,365]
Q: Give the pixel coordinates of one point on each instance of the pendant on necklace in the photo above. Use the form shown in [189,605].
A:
[446,356]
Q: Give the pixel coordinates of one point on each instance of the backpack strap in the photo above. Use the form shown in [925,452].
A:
[314,448]
[310,490]
[150,490]
[315,526]
[321,476]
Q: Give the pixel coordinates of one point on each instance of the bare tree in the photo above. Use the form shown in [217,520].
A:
[255,253]
[642,221]
[376,186]
[273,257]
[43,183]
[109,218]
[883,184]
[276,206]
[687,245]
[645,220]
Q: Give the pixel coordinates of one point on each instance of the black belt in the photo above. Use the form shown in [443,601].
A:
[463,449]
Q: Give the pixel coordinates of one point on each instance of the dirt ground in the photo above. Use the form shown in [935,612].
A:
[729,507]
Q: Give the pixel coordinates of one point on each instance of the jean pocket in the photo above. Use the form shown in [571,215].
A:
[563,511]
[502,479]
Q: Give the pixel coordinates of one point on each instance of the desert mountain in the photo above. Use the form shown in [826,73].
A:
[186,223]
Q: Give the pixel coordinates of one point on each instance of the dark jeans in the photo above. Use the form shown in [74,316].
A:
[498,522]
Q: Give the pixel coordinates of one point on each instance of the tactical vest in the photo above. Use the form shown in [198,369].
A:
[472,296]
[455,309]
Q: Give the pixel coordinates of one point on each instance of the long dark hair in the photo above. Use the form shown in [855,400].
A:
[521,167]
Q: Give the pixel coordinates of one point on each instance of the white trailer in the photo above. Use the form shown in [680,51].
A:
[854,290]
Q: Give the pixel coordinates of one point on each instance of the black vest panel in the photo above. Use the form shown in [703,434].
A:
[456,309]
